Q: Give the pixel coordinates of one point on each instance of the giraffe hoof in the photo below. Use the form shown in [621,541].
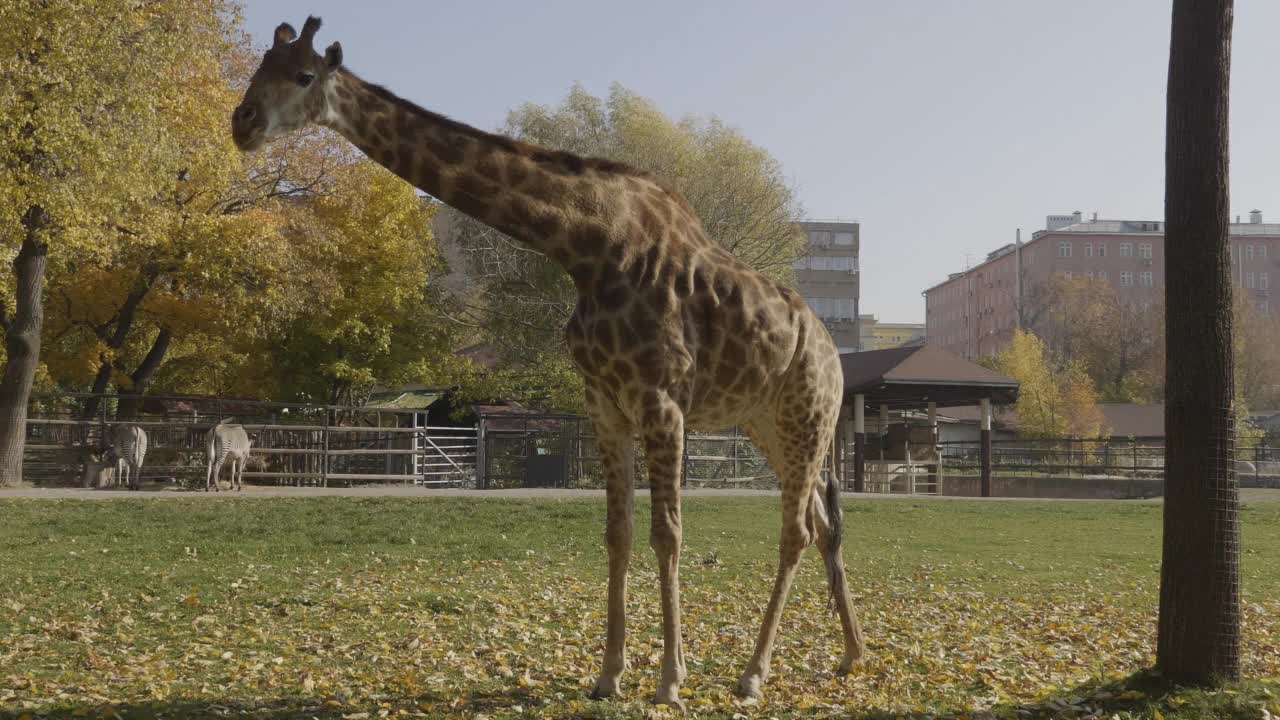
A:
[749,687]
[670,696]
[847,665]
[606,687]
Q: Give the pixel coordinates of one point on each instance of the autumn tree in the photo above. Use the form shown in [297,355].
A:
[521,300]
[212,275]
[87,98]
[1257,355]
[1053,401]
[1119,340]
[364,261]
[1199,626]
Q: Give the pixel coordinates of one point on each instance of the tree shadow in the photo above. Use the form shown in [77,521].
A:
[1143,694]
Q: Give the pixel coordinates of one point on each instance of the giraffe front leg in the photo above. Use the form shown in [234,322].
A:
[617,456]
[664,446]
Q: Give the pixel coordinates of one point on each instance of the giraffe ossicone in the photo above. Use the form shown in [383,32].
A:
[670,331]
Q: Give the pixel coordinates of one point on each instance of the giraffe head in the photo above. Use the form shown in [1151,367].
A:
[288,91]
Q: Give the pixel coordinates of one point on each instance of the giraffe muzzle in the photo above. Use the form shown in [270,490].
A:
[247,127]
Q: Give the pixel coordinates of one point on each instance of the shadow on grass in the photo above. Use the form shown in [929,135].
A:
[1142,695]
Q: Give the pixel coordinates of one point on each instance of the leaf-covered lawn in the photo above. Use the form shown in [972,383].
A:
[463,607]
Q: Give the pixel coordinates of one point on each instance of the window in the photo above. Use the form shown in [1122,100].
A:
[1088,249]
[1102,274]
[1262,251]
[839,263]
[801,263]
[1102,249]
[1250,281]
[1145,279]
[820,238]
[1126,249]
[1265,308]
[844,238]
[1126,278]
[1064,249]
[832,308]
[1248,252]
[1144,251]
[1264,281]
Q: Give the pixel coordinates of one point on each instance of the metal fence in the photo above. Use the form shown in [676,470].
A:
[294,444]
[536,450]
[315,445]
[1257,466]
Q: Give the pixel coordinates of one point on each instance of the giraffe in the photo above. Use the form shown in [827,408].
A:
[670,331]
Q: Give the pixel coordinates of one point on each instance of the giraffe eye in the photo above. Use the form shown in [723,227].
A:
[305,78]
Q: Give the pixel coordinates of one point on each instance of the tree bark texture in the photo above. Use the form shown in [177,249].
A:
[115,341]
[1199,628]
[22,343]
[140,379]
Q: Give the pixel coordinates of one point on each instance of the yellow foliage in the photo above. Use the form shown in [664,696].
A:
[1051,403]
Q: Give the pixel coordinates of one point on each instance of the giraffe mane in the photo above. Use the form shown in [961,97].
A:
[569,163]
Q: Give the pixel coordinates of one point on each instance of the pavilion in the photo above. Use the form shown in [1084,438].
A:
[915,378]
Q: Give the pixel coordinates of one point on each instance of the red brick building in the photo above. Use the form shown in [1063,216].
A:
[975,312]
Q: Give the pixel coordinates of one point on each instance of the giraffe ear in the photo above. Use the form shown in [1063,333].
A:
[285,34]
[333,55]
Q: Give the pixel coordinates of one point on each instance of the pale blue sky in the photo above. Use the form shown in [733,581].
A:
[940,125]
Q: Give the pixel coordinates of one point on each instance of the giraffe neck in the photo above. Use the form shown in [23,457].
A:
[534,195]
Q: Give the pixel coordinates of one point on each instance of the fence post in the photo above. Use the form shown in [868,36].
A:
[684,461]
[859,444]
[102,426]
[736,432]
[934,448]
[482,464]
[324,457]
[985,434]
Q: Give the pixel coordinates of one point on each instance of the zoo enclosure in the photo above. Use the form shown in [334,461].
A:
[295,444]
[301,444]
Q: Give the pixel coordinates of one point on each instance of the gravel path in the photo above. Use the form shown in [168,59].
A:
[265,491]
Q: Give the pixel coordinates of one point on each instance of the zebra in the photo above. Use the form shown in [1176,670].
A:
[226,442]
[125,454]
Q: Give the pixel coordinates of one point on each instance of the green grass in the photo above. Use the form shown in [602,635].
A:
[287,607]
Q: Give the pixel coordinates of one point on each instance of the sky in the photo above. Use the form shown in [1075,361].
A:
[941,126]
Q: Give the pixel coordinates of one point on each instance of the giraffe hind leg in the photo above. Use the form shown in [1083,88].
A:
[828,530]
[795,441]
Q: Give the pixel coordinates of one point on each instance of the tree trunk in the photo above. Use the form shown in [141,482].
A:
[141,377]
[22,343]
[1199,629]
[115,341]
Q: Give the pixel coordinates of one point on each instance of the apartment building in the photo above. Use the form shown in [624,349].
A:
[876,334]
[974,313]
[827,277]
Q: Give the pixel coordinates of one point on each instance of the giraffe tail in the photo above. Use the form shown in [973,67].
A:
[835,530]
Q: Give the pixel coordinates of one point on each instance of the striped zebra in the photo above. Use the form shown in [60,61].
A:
[226,442]
[126,452]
